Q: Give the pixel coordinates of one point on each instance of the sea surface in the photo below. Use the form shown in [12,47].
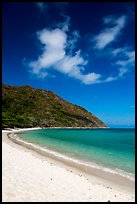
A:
[112,148]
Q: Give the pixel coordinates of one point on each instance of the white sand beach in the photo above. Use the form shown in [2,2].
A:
[30,177]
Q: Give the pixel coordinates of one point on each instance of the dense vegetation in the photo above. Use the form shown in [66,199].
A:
[25,106]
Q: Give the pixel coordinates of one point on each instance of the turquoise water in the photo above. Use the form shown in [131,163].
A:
[113,148]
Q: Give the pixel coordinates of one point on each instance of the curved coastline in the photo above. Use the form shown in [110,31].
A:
[116,176]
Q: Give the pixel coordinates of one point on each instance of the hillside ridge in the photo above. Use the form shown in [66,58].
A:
[25,106]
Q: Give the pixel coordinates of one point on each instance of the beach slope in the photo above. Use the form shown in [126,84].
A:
[28,176]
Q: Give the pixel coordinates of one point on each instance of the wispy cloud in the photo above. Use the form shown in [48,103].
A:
[129,59]
[60,53]
[124,59]
[42,6]
[73,39]
[65,25]
[111,32]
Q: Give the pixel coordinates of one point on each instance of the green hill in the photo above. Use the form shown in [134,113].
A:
[25,106]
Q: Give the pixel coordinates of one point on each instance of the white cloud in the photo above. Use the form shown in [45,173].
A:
[91,78]
[55,38]
[54,56]
[58,52]
[69,63]
[110,33]
[54,44]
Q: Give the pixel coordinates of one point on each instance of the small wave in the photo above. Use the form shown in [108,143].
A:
[66,158]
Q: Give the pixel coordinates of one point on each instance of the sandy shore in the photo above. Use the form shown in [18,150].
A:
[29,176]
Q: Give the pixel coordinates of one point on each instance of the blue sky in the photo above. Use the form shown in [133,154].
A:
[84,52]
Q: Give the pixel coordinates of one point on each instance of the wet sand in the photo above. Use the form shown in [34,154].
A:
[30,176]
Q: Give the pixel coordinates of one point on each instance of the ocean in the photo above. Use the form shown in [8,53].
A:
[113,149]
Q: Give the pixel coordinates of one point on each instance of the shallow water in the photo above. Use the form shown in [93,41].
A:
[113,148]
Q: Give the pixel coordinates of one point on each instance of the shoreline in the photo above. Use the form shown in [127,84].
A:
[35,128]
[93,177]
[119,177]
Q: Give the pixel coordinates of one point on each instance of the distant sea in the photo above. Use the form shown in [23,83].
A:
[113,148]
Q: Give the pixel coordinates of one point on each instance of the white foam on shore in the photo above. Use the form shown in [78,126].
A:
[92,165]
